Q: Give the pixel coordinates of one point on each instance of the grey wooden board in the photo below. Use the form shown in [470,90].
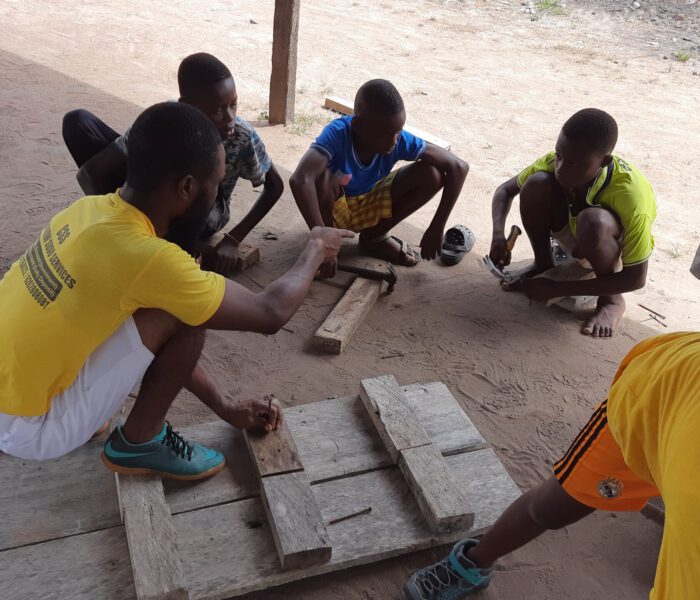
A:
[334,438]
[340,325]
[56,498]
[155,559]
[274,452]
[396,423]
[437,491]
[90,566]
[295,520]
[230,550]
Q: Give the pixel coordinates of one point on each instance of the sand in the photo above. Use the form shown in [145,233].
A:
[498,85]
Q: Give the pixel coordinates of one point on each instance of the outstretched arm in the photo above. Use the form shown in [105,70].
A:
[303,186]
[500,207]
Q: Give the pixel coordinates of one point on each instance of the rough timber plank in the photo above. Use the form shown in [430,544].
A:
[247,255]
[273,453]
[346,108]
[396,423]
[336,331]
[284,61]
[48,500]
[295,520]
[155,559]
[334,438]
[89,566]
[237,555]
[436,489]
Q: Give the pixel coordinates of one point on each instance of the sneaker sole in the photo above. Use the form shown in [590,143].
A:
[143,471]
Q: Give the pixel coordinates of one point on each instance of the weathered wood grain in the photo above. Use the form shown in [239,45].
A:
[284,61]
[295,520]
[336,331]
[273,453]
[388,408]
[438,491]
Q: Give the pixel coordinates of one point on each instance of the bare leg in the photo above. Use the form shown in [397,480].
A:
[545,507]
[598,239]
[177,349]
[414,185]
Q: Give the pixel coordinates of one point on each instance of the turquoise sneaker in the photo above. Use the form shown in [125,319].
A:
[453,578]
[167,454]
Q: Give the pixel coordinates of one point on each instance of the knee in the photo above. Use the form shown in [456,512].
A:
[73,120]
[538,191]
[541,513]
[594,225]
[431,176]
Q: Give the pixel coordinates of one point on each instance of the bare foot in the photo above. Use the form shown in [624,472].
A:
[392,250]
[606,317]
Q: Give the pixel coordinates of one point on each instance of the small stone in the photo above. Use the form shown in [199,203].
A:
[636,4]
[252,22]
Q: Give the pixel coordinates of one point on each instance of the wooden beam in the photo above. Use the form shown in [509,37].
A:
[155,558]
[336,331]
[273,453]
[396,423]
[346,108]
[284,61]
[295,520]
[437,490]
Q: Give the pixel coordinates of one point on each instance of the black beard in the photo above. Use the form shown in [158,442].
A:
[187,229]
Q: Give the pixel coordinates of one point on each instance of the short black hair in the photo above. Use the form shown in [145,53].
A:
[169,140]
[593,127]
[199,71]
[379,97]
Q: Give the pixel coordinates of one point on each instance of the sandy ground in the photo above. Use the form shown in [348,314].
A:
[494,78]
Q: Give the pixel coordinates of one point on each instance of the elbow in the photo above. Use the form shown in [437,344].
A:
[276,317]
[274,184]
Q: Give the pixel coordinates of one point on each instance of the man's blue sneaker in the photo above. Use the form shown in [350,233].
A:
[167,454]
[453,578]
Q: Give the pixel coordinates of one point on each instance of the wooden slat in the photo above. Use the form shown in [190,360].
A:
[295,520]
[89,566]
[336,331]
[333,437]
[347,108]
[284,61]
[388,408]
[435,487]
[248,255]
[230,550]
[155,559]
[273,453]
[46,500]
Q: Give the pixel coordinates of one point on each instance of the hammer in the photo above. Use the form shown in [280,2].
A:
[389,276]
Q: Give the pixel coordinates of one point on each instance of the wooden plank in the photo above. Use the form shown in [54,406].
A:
[284,61]
[388,408]
[434,486]
[45,500]
[336,331]
[248,255]
[230,550]
[295,520]
[155,559]
[88,566]
[273,453]
[334,438]
[347,108]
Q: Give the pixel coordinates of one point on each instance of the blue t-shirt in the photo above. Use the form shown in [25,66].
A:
[335,142]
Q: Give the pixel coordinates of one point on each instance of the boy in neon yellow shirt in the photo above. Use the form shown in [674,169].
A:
[599,207]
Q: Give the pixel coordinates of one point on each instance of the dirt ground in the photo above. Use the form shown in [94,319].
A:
[496,78]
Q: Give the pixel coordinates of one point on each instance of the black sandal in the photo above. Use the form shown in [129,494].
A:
[404,252]
[457,242]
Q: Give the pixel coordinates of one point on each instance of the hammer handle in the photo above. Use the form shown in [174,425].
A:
[515,232]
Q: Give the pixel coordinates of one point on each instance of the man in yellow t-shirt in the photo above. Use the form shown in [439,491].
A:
[640,442]
[101,302]
[598,206]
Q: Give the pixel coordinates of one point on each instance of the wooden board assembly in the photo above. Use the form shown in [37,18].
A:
[273,453]
[336,331]
[295,520]
[155,559]
[436,489]
[346,108]
[388,408]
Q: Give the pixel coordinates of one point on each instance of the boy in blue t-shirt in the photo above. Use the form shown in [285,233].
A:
[346,180]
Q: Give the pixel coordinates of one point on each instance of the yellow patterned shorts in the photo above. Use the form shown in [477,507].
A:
[362,212]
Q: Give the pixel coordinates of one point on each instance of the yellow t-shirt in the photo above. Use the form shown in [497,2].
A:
[628,194]
[97,262]
[654,415]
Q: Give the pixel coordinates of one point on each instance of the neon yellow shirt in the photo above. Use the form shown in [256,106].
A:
[628,194]
[654,415]
[97,262]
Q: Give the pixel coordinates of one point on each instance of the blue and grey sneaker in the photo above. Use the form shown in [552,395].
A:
[167,454]
[453,578]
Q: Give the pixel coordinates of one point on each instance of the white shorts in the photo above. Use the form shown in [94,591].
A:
[97,394]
